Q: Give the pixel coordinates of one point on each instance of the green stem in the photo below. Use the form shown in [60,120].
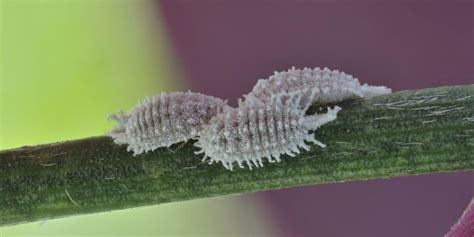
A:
[405,133]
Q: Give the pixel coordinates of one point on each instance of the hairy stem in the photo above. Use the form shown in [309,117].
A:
[405,133]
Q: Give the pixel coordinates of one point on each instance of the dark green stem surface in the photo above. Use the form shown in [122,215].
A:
[405,133]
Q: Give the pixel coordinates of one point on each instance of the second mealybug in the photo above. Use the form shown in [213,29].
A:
[330,86]
[249,134]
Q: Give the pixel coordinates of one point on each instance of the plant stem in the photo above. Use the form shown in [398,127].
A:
[405,133]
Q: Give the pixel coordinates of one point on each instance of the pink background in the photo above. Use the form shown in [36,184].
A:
[225,46]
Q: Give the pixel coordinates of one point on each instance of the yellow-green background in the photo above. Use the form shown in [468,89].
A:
[65,65]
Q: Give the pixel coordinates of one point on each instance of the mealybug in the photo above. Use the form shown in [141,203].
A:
[164,119]
[330,86]
[247,134]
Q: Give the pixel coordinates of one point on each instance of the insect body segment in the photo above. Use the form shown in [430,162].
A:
[164,119]
[247,134]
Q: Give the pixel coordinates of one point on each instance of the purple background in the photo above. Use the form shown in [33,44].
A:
[225,46]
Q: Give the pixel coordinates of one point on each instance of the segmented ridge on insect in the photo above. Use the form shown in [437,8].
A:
[255,131]
[164,119]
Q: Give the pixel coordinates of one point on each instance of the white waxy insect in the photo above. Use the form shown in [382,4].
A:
[164,119]
[250,133]
[330,86]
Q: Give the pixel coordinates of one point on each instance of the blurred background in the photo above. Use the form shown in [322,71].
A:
[66,64]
